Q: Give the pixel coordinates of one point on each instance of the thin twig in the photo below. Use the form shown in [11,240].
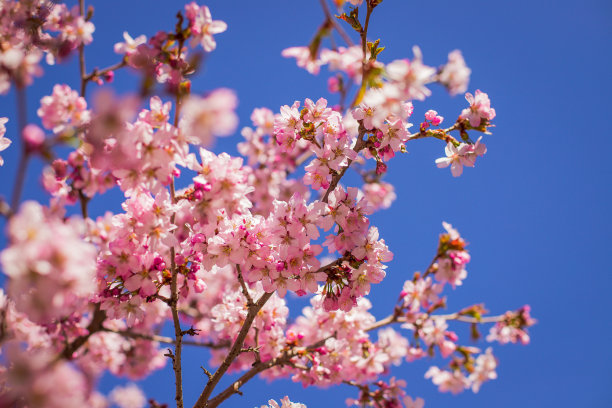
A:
[337,27]
[22,167]
[245,290]
[101,72]
[82,53]
[178,333]
[168,340]
[336,178]
[469,319]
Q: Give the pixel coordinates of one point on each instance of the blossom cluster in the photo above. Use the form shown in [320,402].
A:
[33,29]
[219,243]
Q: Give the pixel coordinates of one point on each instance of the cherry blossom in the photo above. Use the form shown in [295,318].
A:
[203,26]
[130,45]
[455,75]
[129,396]
[480,109]
[4,142]
[285,403]
[304,58]
[220,245]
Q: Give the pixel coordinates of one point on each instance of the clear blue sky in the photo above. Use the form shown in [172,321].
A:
[535,209]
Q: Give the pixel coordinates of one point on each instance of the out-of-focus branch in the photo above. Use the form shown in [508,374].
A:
[337,27]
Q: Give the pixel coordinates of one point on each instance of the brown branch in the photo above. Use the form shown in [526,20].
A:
[22,120]
[441,134]
[100,72]
[233,353]
[359,145]
[283,359]
[168,340]
[178,333]
[82,53]
[245,290]
[469,319]
[364,35]
[94,326]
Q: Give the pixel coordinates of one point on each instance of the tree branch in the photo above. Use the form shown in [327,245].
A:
[202,401]
[245,290]
[283,359]
[168,340]
[334,22]
[359,145]
[94,326]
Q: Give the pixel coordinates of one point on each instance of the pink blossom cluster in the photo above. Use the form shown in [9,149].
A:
[36,380]
[216,242]
[166,60]
[62,109]
[202,26]
[389,394]
[452,257]
[270,163]
[51,268]
[364,253]
[455,75]
[129,396]
[266,340]
[379,194]
[122,356]
[464,154]
[350,354]
[512,328]
[480,112]
[482,369]
[30,29]
[210,116]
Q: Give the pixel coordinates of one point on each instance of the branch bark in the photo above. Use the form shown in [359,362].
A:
[203,401]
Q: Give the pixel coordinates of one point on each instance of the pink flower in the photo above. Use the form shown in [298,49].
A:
[129,396]
[480,109]
[213,115]
[484,370]
[413,403]
[455,75]
[454,381]
[285,403]
[4,142]
[51,268]
[130,45]
[379,195]
[62,109]
[411,76]
[432,116]
[463,155]
[203,27]
[304,58]
[33,137]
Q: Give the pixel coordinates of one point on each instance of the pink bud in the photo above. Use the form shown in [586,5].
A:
[34,138]
[60,168]
[109,76]
[333,85]
[431,115]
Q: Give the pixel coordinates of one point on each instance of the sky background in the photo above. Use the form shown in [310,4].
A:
[535,209]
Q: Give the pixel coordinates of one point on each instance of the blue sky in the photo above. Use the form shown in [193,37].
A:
[535,209]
